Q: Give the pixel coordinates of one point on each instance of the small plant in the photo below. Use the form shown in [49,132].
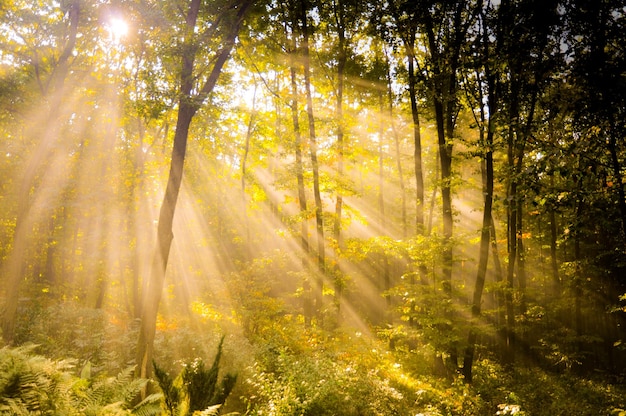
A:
[32,384]
[199,389]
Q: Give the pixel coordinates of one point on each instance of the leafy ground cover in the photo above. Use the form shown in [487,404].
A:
[293,371]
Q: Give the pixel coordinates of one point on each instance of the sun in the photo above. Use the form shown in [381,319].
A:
[118,28]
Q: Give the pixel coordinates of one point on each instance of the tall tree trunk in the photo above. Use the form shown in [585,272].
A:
[244,172]
[417,137]
[482,267]
[189,104]
[319,215]
[556,281]
[154,287]
[485,233]
[341,64]
[521,258]
[304,229]
[500,292]
[308,301]
[396,141]
[381,199]
[512,255]
[339,13]
[444,88]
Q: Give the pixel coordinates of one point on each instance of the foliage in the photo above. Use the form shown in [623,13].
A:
[196,390]
[31,383]
[322,383]
[87,125]
[66,330]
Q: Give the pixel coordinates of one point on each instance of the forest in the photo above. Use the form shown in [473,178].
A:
[313,207]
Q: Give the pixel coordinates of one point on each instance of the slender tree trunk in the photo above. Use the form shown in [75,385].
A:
[500,292]
[417,137]
[187,108]
[485,233]
[381,201]
[433,197]
[341,64]
[521,258]
[304,229]
[444,88]
[396,141]
[556,281]
[244,172]
[319,215]
[154,288]
[577,283]
[308,301]
[482,263]
[137,214]
[49,269]
[512,255]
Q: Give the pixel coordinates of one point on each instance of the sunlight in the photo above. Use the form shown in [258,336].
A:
[117,28]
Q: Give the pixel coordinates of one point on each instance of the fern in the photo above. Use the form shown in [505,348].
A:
[28,382]
[171,393]
[209,411]
[149,406]
[204,394]
[202,385]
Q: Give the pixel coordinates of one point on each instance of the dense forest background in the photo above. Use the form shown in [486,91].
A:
[365,208]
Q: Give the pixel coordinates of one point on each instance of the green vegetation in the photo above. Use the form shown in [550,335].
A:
[408,207]
[32,384]
[199,386]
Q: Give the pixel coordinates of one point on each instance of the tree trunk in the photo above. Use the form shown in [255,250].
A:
[341,64]
[512,255]
[482,264]
[556,281]
[485,233]
[304,229]
[396,141]
[187,108]
[500,292]
[444,86]
[244,172]
[319,215]
[154,288]
[308,302]
[417,137]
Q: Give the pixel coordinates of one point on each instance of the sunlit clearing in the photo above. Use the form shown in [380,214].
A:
[117,28]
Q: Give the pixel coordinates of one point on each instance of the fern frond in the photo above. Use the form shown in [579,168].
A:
[209,411]
[150,406]
[13,407]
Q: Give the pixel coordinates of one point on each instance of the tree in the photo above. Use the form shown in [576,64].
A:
[319,209]
[484,96]
[445,27]
[192,96]
[406,15]
[525,41]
